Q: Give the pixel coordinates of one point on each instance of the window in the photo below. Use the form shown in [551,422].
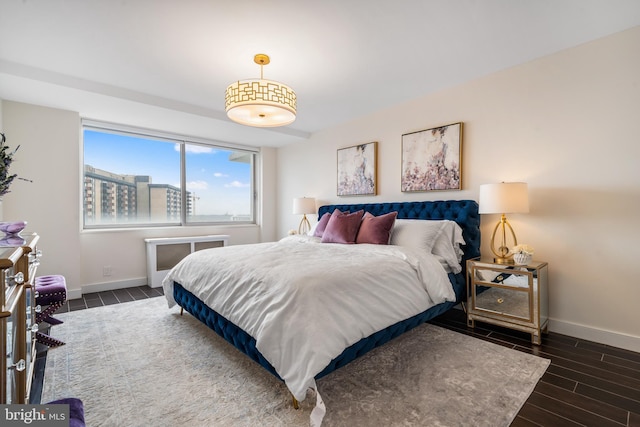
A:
[142,178]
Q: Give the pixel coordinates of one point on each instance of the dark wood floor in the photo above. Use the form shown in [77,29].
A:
[587,384]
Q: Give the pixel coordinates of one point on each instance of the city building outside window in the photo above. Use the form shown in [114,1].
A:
[142,178]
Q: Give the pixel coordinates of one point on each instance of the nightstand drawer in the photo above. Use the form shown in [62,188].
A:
[504,302]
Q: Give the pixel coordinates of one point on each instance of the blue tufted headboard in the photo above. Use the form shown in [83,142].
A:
[464,212]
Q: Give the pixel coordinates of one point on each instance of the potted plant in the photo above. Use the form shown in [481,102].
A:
[6,178]
[6,157]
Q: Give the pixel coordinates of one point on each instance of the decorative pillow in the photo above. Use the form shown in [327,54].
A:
[342,228]
[376,229]
[321,225]
[416,233]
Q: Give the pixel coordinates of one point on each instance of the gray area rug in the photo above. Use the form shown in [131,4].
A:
[142,364]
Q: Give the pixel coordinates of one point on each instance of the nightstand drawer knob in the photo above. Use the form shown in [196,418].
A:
[19,366]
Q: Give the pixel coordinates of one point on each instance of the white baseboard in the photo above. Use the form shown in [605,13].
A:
[602,336]
[106,286]
[74,294]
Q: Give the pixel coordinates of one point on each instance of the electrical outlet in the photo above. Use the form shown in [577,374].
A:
[107,270]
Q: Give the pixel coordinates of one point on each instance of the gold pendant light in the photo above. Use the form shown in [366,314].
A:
[259,102]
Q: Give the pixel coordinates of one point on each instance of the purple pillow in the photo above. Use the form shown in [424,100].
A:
[322,224]
[376,229]
[342,228]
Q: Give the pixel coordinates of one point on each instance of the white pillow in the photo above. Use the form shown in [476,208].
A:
[416,233]
[447,245]
[313,229]
[439,237]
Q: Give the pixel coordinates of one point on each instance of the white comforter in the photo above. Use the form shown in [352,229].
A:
[304,301]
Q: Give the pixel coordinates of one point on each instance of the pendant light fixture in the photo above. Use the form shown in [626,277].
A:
[259,102]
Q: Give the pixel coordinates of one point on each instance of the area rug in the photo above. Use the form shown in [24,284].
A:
[142,364]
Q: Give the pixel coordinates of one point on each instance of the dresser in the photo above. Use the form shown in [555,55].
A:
[19,259]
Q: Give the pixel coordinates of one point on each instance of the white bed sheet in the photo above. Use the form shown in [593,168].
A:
[304,301]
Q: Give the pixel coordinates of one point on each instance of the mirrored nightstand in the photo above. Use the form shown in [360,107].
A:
[513,296]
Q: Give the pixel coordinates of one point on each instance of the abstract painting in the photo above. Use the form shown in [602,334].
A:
[431,159]
[357,170]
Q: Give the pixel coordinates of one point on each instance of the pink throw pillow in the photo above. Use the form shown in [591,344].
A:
[322,224]
[342,228]
[376,229]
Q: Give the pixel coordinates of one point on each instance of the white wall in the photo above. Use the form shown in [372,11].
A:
[568,124]
[50,155]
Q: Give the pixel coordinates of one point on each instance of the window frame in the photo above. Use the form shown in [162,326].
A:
[182,140]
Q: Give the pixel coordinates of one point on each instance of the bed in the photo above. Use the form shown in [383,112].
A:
[244,313]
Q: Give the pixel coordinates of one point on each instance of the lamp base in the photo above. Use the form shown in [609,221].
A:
[502,255]
[304,226]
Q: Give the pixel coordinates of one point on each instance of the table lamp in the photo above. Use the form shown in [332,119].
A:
[303,206]
[503,198]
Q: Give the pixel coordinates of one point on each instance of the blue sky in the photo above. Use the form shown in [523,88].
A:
[222,186]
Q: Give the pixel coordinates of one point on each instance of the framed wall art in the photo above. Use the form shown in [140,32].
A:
[357,167]
[431,159]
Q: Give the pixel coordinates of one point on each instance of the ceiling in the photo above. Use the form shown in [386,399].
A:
[165,64]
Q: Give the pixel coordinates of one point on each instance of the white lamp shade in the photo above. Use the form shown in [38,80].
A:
[304,205]
[503,198]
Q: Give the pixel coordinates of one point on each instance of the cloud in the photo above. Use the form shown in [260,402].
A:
[197,185]
[220,175]
[196,149]
[236,184]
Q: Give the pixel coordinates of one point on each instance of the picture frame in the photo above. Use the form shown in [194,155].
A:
[432,159]
[357,170]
